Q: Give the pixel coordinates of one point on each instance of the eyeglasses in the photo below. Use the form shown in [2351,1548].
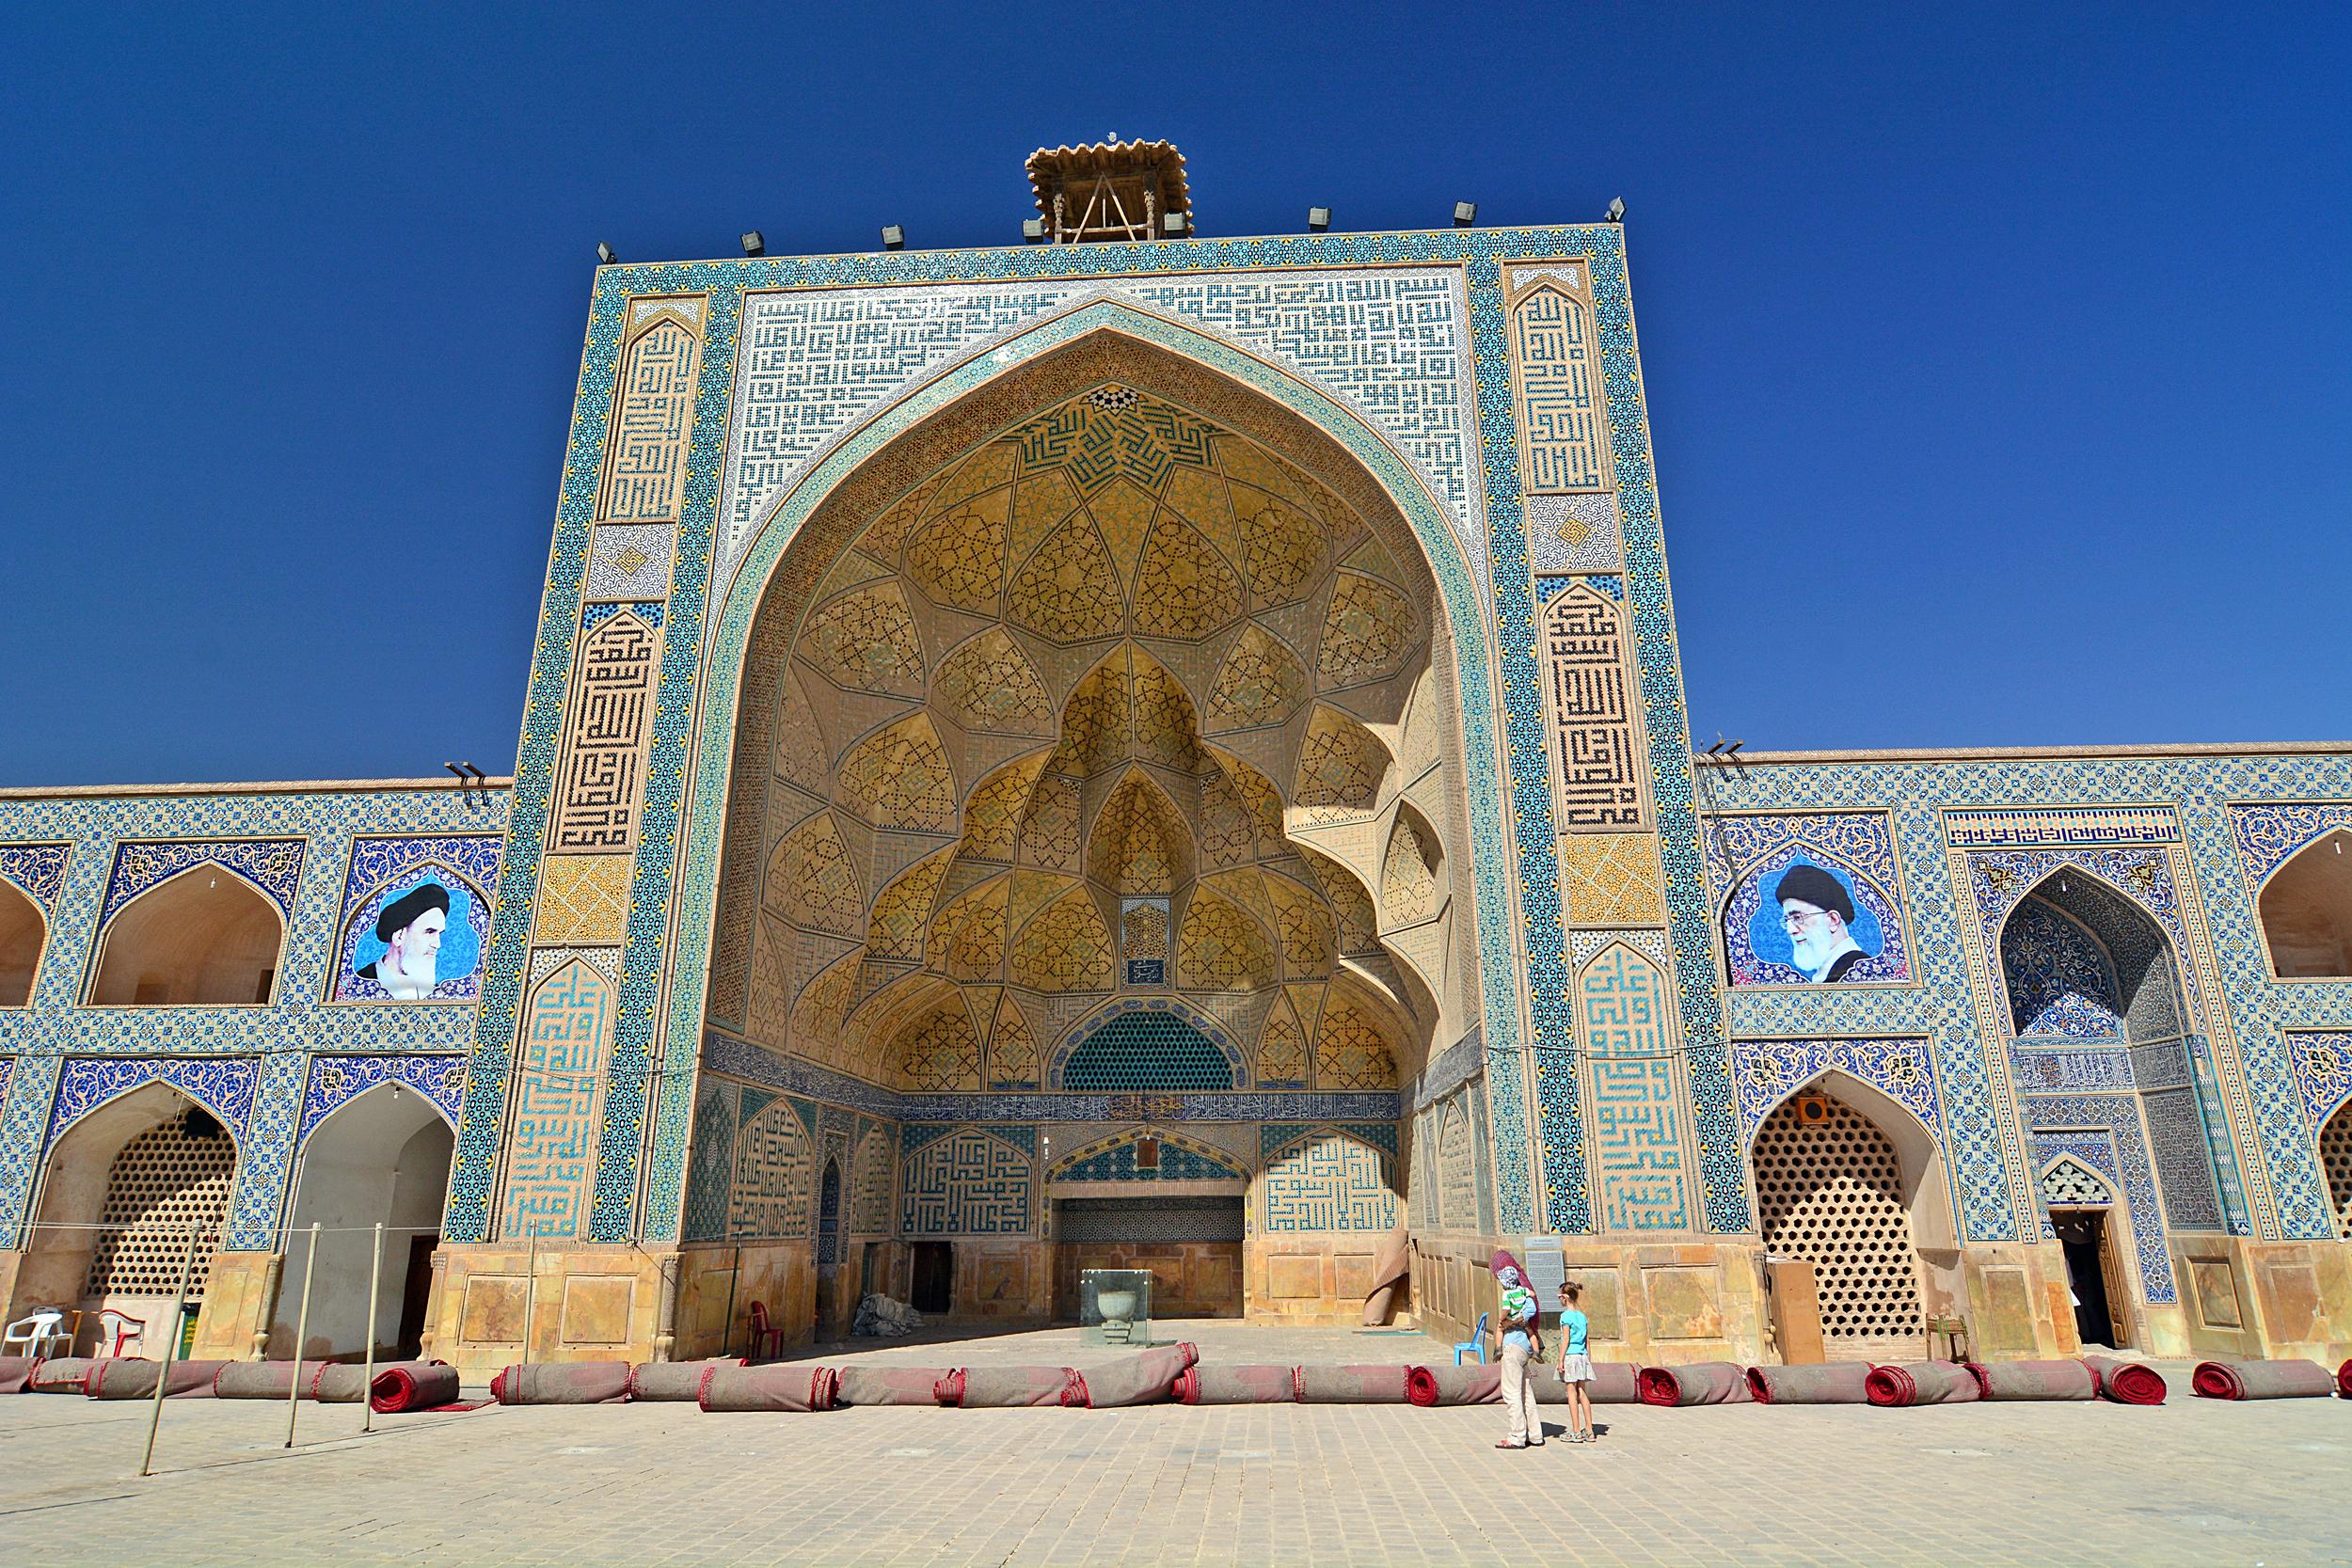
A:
[1794,920]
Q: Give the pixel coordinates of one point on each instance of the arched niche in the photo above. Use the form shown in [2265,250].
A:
[2123,954]
[205,937]
[381,1158]
[117,1191]
[22,933]
[2306,911]
[2335,1159]
[1800,1206]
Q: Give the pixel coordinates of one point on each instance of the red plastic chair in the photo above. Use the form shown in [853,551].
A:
[767,1338]
[118,1332]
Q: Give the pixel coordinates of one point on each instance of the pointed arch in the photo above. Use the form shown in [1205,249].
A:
[2335,1159]
[205,936]
[2304,908]
[2066,1181]
[23,933]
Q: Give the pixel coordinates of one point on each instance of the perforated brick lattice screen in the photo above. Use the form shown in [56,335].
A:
[2335,1153]
[1146,1050]
[162,1182]
[1148,1219]
[1830,1193]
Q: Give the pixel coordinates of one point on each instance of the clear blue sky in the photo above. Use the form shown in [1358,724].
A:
[1999,359]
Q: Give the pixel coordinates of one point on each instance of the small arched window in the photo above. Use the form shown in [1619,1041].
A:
[203,939]
[2306,910]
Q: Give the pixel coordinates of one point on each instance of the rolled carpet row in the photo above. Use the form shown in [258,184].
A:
[2265,1380]
[399,1386]
[1921,1383]
[2126,1382]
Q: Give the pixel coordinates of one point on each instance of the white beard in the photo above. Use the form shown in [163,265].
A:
[1815,954]
[412,983]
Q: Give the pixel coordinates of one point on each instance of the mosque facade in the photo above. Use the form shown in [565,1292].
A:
[1140,751]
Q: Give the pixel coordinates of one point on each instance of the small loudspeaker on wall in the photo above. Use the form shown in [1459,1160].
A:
[1812,1110]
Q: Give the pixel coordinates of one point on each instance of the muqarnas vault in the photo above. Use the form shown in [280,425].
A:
[1170,753]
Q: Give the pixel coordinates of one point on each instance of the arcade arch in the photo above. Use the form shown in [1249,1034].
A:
[382,1157]
[119,1191]
[2306,911]
[205,937]
[2335,1158]
[22,933]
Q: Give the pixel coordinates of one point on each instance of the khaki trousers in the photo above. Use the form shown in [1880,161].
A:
[1518,1394]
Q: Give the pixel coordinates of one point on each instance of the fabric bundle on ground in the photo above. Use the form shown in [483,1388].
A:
[259,1380]
[1702,1382]
[1238,1386]
[1351,1385]
[2126,1382]
[1611,1383]
[1009,1387]
[562,1383]
[129,1378]
[61,1374]
[863,1386]
[731,1386]
[2034,1380]
[678,1381]
[2261,1380]
[1147,1377]
[1430,1387]
[16,1372]
[1922,1383]
[412,1385]
[1837,1383]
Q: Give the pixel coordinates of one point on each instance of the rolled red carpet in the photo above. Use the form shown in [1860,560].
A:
[1836,1382]
[60,1374]
[1430,1387]
[1921,1383]
[2034,1380]
[778,1387]
[1004,1388]
[128,1378]
[16,1372]
[260,1380]
[862,1385]
[562,1383]
[406,1385]
[2343,1380]
[1238,1385]
[2126,1382]
[2261,1380]
[1351,1385]
[1147,1377]
[673,1382]
[1701,1383]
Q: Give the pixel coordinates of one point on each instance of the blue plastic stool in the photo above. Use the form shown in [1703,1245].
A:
[1476,1344]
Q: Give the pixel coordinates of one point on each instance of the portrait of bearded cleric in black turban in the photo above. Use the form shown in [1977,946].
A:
[1810,924]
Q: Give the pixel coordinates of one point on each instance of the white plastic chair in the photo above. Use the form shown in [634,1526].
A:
[42,1334]
[117,1330]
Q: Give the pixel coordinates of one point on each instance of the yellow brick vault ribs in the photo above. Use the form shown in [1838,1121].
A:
[583,900]
[1612,879]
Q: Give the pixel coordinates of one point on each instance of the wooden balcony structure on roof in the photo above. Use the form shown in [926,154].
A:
[1112,190]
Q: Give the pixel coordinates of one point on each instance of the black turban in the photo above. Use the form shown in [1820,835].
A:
[1817,887]
[404,912]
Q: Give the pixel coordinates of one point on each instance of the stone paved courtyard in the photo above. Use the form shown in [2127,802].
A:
[2190,1482]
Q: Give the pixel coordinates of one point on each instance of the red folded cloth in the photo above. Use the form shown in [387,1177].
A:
[674,1381]
[406,1385]
[2126,1382]
[1702,1382]
[1238,1386]
[1921,1383]
[727,1386]
[562,1383]
[1430,1387]
[1836,1382]
[2034,1380]
[2261,1380]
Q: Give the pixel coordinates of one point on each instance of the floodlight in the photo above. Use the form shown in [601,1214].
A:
[1464,214]
[754,243]
[894,237]
[1318,219]
[605,254]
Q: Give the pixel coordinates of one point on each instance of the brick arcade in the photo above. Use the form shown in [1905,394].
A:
[1170,752]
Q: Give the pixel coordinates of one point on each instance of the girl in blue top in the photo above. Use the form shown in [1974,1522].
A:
[1576,1366]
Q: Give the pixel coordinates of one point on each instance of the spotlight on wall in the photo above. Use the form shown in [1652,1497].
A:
[466,774]
[1318,219]
[1032,231]
[1175,226]
[457,770]
[754,243]
[1464,214]
[606,255]
[894,237]
[1616,210]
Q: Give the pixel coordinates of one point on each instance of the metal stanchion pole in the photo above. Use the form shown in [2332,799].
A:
[302,1336]
[530,1294]
[163,1372]
[376,1283]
